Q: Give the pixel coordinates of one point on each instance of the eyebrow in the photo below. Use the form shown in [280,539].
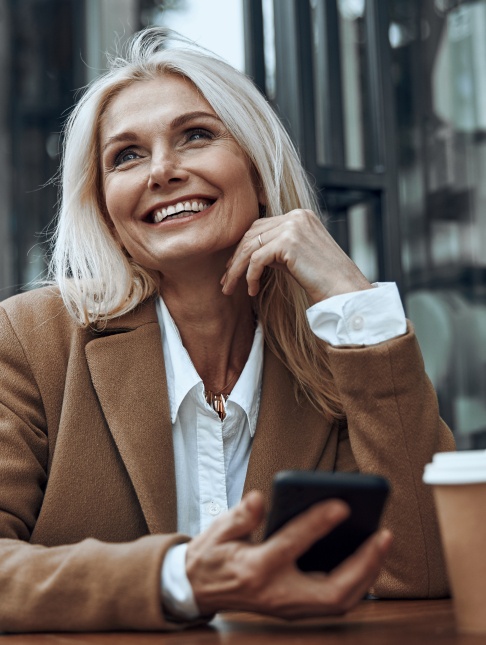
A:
[174,124]
[189,116]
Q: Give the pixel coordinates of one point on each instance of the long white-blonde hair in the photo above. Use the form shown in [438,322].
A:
[96,278]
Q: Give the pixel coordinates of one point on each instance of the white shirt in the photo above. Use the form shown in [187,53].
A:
[211,456]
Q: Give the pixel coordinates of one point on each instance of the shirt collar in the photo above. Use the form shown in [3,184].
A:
[182,375]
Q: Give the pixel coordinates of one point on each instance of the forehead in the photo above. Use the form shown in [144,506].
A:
[160,99]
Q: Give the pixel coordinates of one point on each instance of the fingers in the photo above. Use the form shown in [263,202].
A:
[299,534]
[369,556]
[226,572]
[267,256]
[299,244]
[252,255]
[318,594]
[353,578]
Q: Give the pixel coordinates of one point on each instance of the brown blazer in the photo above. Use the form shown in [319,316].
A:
[87,487]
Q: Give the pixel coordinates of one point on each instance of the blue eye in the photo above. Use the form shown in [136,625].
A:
[124,156]
[199,134]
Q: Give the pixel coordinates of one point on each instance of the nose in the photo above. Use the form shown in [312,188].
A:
[166,169]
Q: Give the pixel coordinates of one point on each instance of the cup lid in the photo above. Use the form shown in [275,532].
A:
[462,467]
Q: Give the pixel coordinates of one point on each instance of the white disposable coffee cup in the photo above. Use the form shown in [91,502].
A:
[459,485]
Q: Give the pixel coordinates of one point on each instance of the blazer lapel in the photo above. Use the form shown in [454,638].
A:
[128,373]
[289,435]
[127,370]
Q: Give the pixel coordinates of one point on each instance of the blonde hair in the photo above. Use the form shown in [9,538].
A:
[98,281]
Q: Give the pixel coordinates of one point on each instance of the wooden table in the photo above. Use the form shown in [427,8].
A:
[385,622]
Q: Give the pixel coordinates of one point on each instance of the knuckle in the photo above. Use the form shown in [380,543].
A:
[293,229]
[290,238]
[289,231]
[286,549]
[306,217]
[301,213]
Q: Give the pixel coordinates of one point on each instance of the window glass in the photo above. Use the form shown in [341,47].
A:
[341,82]
[352,44]
[352,218]
[438,52]
[214,24]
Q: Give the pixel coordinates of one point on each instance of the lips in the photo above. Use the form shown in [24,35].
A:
[178,210]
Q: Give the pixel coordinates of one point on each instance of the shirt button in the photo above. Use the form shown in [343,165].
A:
[357,323]
[213,508]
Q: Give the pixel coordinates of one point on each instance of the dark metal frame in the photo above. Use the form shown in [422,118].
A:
[296,99]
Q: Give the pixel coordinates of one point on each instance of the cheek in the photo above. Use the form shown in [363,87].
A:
[114,212]
[118,204]
[239,178]
[114,197]
[122,193]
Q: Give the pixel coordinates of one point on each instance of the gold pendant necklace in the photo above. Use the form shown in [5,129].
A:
[217,400]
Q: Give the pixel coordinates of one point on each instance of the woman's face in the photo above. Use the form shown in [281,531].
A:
[177,186]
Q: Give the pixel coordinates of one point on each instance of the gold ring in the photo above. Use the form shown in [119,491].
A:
[260,239]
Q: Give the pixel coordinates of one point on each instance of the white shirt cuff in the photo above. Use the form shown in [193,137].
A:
[177,593]
[364,317]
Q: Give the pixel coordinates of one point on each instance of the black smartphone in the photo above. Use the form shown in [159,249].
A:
[295,491]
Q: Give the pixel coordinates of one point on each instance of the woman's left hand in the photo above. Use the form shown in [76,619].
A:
[299,244]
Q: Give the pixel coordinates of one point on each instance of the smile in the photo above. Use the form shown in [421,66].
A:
[181,209]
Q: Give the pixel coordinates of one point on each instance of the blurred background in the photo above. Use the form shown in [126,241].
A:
[386,101]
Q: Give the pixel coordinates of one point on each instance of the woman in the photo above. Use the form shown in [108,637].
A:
[173,369]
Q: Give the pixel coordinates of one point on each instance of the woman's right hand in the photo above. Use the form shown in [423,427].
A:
[228,572]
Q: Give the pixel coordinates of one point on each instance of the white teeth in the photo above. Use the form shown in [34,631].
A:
[179,209]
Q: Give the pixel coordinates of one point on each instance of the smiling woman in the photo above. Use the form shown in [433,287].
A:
[164,148]
[201,331]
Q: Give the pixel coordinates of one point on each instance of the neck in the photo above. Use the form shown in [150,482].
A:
[216,330]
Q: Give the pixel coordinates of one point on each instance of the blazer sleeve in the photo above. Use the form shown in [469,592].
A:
[87,586]
[393,428]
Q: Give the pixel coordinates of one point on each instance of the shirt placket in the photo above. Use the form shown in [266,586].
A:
[211,468]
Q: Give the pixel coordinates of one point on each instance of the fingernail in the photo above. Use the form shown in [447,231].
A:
[223,279]
[384,537]
[339,509]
